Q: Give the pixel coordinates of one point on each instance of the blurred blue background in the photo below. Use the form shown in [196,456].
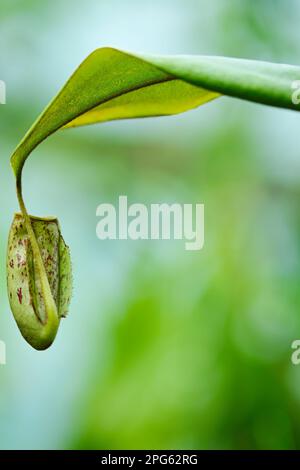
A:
[163,348]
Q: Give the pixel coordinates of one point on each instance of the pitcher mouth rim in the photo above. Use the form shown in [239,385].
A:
[50,218]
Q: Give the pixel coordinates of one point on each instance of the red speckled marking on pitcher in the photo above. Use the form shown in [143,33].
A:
[19,294]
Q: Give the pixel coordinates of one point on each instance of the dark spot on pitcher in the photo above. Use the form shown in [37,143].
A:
[19,294]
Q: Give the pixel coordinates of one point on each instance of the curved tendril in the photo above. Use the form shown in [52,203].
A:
[51,322]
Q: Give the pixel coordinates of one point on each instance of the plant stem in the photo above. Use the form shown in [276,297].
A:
[51,321]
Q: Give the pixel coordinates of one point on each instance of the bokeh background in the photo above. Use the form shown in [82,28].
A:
[163,348]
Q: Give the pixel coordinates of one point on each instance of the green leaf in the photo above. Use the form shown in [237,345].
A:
[112,84]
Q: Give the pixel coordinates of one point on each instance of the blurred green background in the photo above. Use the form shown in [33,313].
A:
[163,348]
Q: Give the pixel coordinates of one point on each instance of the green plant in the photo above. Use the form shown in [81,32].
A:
[112,84]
